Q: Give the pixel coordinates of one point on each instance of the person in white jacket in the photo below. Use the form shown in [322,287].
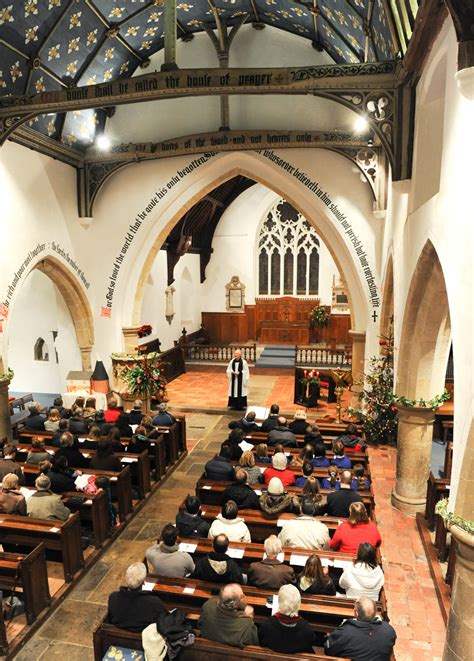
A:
[365,577]
[228,523]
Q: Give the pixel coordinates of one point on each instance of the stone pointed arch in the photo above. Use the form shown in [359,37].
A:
[77,304]
[218,170]
[386,314]
[426,330]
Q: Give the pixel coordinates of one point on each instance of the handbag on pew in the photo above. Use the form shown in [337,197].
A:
[12,605]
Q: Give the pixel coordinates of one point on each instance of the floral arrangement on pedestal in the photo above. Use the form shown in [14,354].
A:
[319,316]
[8,375]
[144,330]
[144,376]
[378,413]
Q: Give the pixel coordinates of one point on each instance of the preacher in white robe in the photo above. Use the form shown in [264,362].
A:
[239,376]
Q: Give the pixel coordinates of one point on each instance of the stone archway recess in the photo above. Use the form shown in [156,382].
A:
[423,357]
[386,314]
[77,303]
[251,167]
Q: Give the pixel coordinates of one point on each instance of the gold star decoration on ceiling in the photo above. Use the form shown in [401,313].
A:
[154,16]
[53,3]
[109,54]
[6,15]
[73,44]
[116,12]
[40,86]
[30,34]
[2,82]
[91,37]
[71,68]
[53,52]
[132,31]
[31,8]
[124,67]
[75,20]
[15,71]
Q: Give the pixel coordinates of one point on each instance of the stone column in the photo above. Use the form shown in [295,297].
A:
[86,357]
[5,421]
[460,634]
[170,36]
[358,355]
[415,439]
[130,337]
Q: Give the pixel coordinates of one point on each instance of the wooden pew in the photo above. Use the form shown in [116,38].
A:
[355,457]
[246,553]
[63,536]
[3,636]
[139,462]
[260,528]
[320,473]
[189,594]
[106,635]
[120,483]
[156,450]
[93,509]
[437,489]
[210,492]
[29,573]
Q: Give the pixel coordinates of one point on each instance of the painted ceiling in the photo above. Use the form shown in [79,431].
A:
[52,44]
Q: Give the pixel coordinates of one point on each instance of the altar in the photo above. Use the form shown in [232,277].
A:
[283,320]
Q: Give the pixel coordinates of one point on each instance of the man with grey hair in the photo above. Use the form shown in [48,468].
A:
[365,637]
[227,619]
[136,415]
[271,573]
[70,449]
[44,504]
[35,420]
[131,607]
[163,418]
[286,632]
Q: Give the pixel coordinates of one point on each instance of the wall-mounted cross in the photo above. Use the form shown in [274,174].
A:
[374,315]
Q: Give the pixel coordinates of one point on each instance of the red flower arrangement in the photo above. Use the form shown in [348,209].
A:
[144,330]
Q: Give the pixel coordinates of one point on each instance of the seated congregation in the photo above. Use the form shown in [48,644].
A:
[272,553]
[69,481]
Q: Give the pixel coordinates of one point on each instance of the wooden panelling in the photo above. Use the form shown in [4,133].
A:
[282,320]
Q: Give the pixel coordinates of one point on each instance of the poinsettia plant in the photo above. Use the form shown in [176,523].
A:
[145,378]
[319,316]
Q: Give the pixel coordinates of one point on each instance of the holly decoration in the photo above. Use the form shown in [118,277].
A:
[319,316]
[378,412]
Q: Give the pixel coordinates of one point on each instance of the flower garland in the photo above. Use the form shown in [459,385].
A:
[453,519]
[144,378]
[319,316]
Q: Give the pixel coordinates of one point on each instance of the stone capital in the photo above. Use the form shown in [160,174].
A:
[415,415]
[357,336]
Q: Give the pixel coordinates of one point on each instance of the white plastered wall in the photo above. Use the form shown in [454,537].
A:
[444,218]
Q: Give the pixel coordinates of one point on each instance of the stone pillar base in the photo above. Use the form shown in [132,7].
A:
[408,505]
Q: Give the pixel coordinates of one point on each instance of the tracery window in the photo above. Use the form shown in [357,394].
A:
[41,351]
[288,254]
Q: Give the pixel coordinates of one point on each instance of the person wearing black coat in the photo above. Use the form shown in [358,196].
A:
[271,422]
[217,566]
[105,459]
[338,502]
[220,468]
[241,493]
[35,420]
[56,437]
[364,638]
[72,453]
[286,632]
[61,476]
[77,425]
[299,424]
[136,415]
[131,607]
[189,522]
[123,424]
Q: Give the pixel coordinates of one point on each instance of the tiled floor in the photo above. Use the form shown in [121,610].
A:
[412,605]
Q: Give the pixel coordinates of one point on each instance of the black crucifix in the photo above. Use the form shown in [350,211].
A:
[374,315]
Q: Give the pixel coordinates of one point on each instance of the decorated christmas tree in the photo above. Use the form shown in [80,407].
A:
[378,412]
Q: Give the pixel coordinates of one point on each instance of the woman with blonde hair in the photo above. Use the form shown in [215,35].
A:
[112,411]
[12,501]
[247,462]
[357,529]
[52,423]
[299,424]
[314,578]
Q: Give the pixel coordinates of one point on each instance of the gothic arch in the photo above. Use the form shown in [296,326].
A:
[77,303]
[386,314]
[426,330]
[221,169]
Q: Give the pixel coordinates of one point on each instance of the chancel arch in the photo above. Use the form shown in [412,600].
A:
[223,167]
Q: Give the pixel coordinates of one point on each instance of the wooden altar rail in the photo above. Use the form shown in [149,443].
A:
[219,352]
[311,355]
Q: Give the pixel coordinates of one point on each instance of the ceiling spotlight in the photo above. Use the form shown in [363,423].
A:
[361,125]
[103,142]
